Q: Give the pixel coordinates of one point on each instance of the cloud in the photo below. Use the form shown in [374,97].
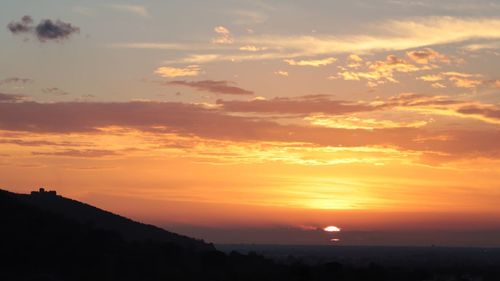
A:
[431,78]
[23,26]
[391,35]
[252,48]
[300,105]
[411,99]
[217,87]
[134,9]
[354,61]
[163,118]
[58,30]
[46,30]
[166,71]
[426,56]
[224,36]
[438,85]
[458,79]
[441,105]
[315,63]
[355,58]
[485,111]
[482,46]
[55,91]
[351,122]
[465,82]
[22,142]
[380,72]
[281,73]
[10,98]
[321,108]
[155,46]
[86,153]
[16,80]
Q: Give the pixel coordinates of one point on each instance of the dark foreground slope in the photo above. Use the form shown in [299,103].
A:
[89,215]
[53,238]
[38,242]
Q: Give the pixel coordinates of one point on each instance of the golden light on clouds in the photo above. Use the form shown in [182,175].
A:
[312,62]
[224,35]
[167,71]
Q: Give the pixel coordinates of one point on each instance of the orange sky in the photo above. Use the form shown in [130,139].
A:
[260,115]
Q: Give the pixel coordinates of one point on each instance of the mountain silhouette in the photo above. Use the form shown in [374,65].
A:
[46,237]
[86,214]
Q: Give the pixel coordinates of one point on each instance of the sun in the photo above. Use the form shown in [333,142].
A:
[331,228]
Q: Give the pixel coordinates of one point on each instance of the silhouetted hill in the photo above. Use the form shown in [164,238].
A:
[47,237]
[97,218]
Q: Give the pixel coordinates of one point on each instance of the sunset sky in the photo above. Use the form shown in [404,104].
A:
[260,121]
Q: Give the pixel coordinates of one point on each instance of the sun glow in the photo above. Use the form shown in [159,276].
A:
[331,228]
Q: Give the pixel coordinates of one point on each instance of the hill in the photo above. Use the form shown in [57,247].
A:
[48,237]
[89,215]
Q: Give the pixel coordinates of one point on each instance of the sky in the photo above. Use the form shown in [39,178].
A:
[252,121]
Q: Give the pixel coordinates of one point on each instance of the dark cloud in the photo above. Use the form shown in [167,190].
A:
[46,30]
[10,98]
[426,56]
[58,30]
[218,87]
[410,99]
[26,143]
[16,80]
[89,116]
[194,120]
[489,112]
[87,153]
[301,105]
[25,25]
[21,142]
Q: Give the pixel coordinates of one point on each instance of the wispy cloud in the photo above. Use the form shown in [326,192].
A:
[133,9]
[300,105]
[457,79]
[312,62]
[167,71]
[224,36]
[16,80]
[87,153]
[392,35]
[380,72]
[252,48]
[483,46]
[281,73]
[4,98]
[55,91]
[217,87]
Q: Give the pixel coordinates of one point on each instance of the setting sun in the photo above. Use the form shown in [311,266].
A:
[331,228]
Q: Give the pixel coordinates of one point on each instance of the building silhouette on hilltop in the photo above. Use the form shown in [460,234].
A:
[43,192]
